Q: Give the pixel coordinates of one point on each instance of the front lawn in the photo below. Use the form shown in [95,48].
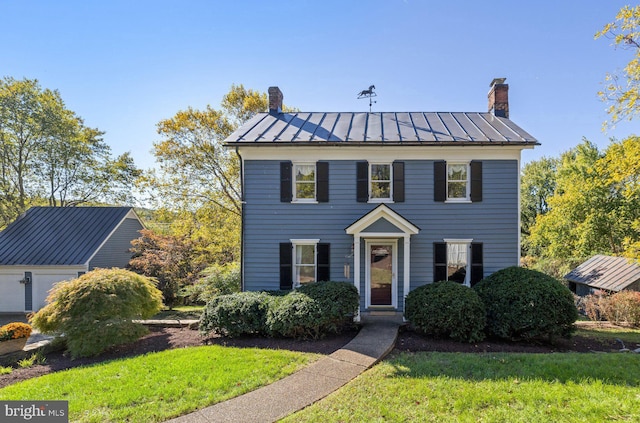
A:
[436,387]
[157,386]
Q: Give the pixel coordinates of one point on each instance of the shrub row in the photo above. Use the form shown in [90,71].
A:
[512,304]
[311,311]
[621,308]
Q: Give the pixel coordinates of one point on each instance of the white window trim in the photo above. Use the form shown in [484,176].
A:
[294,198]
[467,198]
[370,181]
[295,243]
[448,241]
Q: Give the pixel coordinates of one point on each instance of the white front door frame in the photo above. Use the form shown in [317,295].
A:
[394,270]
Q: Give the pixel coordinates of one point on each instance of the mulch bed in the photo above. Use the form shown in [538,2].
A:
[160,339]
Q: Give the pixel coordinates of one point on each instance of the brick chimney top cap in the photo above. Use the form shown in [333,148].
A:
[497,81]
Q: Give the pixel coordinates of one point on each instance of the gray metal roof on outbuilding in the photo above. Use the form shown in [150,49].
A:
[606,272]
[407,128]
[50,236]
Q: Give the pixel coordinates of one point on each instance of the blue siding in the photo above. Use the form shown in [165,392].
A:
[115,252]
[494,221]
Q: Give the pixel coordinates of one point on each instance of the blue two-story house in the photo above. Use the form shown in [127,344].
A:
[387,201]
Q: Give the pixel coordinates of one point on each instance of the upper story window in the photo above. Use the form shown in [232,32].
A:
[304,189]
[457,181]
[380,182]
[380,177]
[304,182]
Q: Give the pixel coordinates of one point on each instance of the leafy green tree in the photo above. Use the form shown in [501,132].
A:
[47,153]
[595,208]
[622,90]
[197,182]
[538,183]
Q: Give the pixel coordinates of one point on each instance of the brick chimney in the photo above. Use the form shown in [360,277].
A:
[275,100]
[499,98]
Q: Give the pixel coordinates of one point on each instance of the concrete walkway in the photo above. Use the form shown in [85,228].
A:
[301,389]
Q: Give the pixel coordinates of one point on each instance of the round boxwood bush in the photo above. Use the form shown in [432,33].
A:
[339,302]
[243,313]
[96,310]
[446,309]
[524,304]
[296,315]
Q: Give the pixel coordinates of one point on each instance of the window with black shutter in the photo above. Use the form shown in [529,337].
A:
[477,266]
[286,192]
[455,181]
[398,182]
[362,182]
[439,261]
[323,272]
[286,265]
[322,181]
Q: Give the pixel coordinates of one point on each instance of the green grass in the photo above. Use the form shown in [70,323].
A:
[158,386]
[453,387]
[180,313]
[629,335]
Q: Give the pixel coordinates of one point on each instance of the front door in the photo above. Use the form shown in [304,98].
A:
[381,266]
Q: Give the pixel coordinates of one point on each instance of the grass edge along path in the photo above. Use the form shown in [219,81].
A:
[453,387]
[158,386]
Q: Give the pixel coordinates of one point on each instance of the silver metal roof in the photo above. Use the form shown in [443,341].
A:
[606,272]
[410,128]
[58,235]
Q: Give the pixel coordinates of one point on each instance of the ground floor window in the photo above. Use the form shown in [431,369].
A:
[458,260]
[303,261]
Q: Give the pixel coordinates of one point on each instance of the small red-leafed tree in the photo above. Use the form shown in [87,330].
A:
[172,260]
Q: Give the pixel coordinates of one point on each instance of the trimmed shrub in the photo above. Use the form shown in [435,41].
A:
[311,311]
[339,302]
[296,315]
[243,313]
[447,309]
[96,310]
[524,304]
[594,305]
[623,308]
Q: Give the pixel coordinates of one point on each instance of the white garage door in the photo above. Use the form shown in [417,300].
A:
[42,283]
[11,293]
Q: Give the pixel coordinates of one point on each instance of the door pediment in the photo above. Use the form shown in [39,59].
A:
[382,219]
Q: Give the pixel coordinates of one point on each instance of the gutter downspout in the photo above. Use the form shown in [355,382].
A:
[241,219]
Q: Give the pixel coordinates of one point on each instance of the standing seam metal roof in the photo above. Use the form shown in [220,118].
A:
[606,272]
[49,236]
[409,128]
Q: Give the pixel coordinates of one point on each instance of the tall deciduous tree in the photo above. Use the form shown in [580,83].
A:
[622,90]
[47,154]
[595,208]
[198,179]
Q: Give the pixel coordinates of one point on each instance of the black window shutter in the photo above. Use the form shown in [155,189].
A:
[440,181]
[476,181]
[362,182]
[286,268]
[439,261]
[322,182]
[323,262]
[398,182]
[477,268]
[286,194]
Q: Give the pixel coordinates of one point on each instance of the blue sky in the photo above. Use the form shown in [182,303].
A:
[125,65]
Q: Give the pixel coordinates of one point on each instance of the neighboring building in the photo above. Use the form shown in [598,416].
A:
[387,201]
[607,273]
[47,245]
